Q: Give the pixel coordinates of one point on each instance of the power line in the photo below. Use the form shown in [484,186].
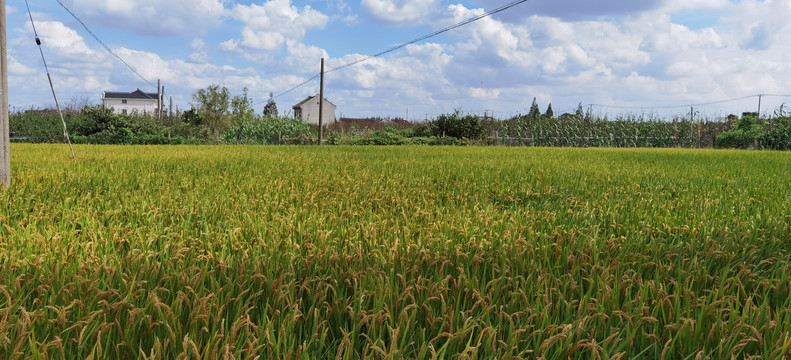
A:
[675,107]
[438,32]
[397,47]
[105,45]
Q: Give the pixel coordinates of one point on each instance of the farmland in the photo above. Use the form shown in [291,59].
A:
[394,252]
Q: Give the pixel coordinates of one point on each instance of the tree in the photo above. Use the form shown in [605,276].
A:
[534,111]
[549,114]
[270,110]
[580,113]
[192,117]
[458,126]
[242,108]
[213,103]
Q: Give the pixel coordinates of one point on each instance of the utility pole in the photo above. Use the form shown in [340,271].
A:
[759,105]
[159,98]
[162,104]
[5,140]
[321,104]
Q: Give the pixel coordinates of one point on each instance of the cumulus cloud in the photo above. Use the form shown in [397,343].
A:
[398,12]
[153,17]
[281,17]
[199,51]
[270,25]
[574,10]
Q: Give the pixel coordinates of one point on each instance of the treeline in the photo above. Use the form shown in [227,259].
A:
[578,130]
[216,117]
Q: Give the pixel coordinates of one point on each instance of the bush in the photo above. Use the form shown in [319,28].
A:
[747,135]
[37,125]
[457,126]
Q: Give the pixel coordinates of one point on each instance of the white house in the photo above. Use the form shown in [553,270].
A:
[129,102]
[308,111]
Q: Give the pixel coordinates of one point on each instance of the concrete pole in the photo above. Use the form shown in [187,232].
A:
[5,140]
[760,97]
[321,104]
[159,99]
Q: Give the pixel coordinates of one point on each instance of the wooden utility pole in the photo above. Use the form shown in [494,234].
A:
[5,138]
[321,104]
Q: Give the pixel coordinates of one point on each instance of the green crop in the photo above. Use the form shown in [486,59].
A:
[212,252]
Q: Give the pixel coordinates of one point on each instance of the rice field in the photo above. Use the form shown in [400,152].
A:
[238,252]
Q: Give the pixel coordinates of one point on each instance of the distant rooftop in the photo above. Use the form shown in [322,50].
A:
[137,94]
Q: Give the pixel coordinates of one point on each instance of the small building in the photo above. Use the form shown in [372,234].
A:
[130,102]
[308,111]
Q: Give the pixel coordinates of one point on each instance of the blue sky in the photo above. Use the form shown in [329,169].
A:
[644,55]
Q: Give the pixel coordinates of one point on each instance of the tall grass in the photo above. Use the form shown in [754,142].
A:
[394,252]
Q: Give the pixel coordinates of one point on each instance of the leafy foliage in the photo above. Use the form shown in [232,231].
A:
[549,113]
[746,135]
[270,109]
[213,103]
[534,111]
[266,131]
[458,126]
[575,131]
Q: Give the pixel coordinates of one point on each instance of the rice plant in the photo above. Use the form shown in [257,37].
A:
[215,252]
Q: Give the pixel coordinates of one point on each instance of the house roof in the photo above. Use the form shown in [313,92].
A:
[137,94]
[299,105]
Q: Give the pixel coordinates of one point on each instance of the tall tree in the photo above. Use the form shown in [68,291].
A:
[242,108]
[270,110]
[534,111]
[213,103]
[550,114]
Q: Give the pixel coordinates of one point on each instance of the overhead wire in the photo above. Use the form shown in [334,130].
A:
[400,46]
[675,106]
[110,51]
[431,35]
[49,77]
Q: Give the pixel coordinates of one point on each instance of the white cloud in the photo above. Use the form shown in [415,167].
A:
[153,17]
[282,17]
[271,25]
[17,68]
[199,51]
[574,10]
[399,12]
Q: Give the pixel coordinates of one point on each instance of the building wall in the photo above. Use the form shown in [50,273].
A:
[139,105]
[310,112]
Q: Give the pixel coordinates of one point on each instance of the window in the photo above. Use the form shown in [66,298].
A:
[123,102]
[124,110]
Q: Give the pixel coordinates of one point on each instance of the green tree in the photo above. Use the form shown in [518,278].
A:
[192,117]
[534,111]
[242,108]
[458,126]
[270,110]
[213,103]
[549,114]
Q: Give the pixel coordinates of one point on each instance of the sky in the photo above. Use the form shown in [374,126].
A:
[612,56]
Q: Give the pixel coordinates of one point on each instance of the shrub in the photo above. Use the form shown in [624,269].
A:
[457,126]
[746,135]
